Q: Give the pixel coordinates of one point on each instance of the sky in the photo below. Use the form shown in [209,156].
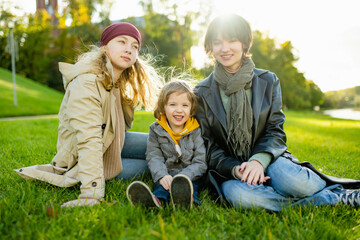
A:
[325,34]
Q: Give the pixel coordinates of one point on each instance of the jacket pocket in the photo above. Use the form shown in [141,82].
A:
[188,148]
[189,145]
[166,147]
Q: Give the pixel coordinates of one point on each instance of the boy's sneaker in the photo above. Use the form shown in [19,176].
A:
[181,191]
[350,197]
[139,194]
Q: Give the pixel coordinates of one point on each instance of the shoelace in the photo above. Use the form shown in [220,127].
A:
[351,198]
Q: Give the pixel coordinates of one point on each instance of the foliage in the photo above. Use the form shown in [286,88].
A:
[32,98]
[297,92]
[42,45]
[175,47]
[31,209]
[345,98]
[315,94]
[168,35]
[6,16]
[34,51]
[81,12]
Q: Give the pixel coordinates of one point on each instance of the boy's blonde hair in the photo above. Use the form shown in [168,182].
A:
[175,86]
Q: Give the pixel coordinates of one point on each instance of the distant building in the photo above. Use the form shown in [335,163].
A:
[50,6]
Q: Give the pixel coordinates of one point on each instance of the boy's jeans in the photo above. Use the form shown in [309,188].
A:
[161,193]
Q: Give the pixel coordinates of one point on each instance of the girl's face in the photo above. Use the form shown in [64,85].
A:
[123,51]
[228,52]
[177,110]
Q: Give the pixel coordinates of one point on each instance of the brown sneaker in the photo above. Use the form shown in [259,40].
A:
[181,191]
[139,194]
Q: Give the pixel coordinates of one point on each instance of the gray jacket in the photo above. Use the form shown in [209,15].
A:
[163,159]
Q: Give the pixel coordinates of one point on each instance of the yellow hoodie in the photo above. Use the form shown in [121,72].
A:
[190,125]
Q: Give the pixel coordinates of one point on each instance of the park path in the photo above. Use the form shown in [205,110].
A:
[28,117]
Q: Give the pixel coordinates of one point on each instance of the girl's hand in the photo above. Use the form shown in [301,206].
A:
[237,172]
[81,202]
[251,172]
[166,181]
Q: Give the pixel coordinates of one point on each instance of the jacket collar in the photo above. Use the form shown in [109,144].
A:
[71,71]
[213,99]
[258,92]
[160,131]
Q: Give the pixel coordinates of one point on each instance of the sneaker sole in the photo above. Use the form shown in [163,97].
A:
[181,191]
[139,194]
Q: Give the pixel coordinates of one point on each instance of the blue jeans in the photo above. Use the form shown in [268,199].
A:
[290,185]
[160,192]
[133,156]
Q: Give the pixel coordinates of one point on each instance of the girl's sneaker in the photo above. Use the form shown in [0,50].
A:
[139,194]
[350,197]
[181,191]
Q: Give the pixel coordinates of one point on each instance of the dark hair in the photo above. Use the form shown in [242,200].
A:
[175,86]
[229,26]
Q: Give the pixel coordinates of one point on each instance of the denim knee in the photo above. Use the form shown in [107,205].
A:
[135,144]
[239,194]
[293,180]
[133,168]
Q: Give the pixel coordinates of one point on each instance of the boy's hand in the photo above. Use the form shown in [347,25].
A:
[166,181]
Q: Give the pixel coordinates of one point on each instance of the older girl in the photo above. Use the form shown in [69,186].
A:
[242,124]
[101,91]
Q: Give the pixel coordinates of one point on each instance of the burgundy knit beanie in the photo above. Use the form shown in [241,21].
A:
[121,28]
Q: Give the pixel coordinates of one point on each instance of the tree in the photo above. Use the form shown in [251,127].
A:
[345,98]
[5,17]
[279,58]
[331,100]
[168,35]
[316,95]
[42,45]
[35,50]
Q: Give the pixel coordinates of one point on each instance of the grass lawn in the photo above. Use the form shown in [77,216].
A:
[32,97]
[330,144]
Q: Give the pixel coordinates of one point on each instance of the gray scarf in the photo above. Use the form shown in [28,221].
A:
[239,114]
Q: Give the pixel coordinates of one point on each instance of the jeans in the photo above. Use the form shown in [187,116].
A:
[133,156]
[160,192]
[290,185]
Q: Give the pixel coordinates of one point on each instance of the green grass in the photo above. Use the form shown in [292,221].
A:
[32,97]
[330,144]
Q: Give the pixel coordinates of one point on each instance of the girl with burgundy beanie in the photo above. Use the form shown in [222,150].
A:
[102,90]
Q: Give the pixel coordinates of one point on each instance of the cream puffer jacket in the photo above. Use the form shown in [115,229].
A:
[87,119]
